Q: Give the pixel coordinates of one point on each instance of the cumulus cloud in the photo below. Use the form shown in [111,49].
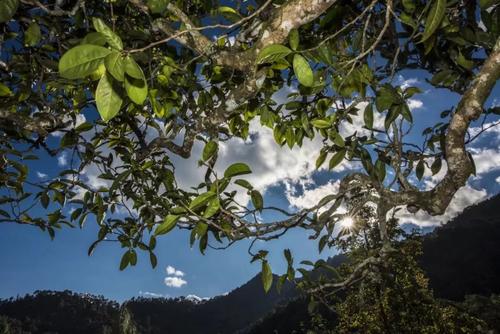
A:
[41,175]
[152,294]
[171,271]
[62,159]
[80,119]
[309,195]
[464,197]
[174,282]
[414,104]
[405,83]
[486,159]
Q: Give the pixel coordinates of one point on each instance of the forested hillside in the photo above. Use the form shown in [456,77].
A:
[461,259]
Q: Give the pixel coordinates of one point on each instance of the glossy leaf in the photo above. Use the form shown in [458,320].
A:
[7,9]
[337,159]
[113,39]
[294,39]
[236,169]
[303,71]
[32,35]
[434,18]
[81,61]
[272,52]
[368,116]
[209,150]
[108,101]
[115,65]
[137,90]
[257,200]
[201,200]
[266,276]
[167,225]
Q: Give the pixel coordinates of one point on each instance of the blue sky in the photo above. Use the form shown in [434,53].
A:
[31,261]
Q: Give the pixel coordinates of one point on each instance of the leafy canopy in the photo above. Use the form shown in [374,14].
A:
[154,77]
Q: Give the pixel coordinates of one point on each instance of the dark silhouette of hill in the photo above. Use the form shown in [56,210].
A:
[461,258]
[223,314]
[59,312]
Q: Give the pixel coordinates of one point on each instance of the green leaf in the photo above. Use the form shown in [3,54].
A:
[303,71]
[380,170]
[368,116]
[321,123]
[108,101]
[153,259]
[133,69]
[7,9]
[410,91]
[81,61]
[201,200]
[113,39]
[464,62]
[209,150]
[294,39]
[434,18]
[321,159]
[267,276]
[272,52]
[257,200]
[133,257]
[32,35]
[337,158]
[157,6]
[212,208]
[115,65]
[4,90]
[167,225]
[485,4]
[125,260]
[95,38]
[229,13]
[137,90]
[386,97]
[436,166]
[45,200]
[238,168]
[420,169]
[244,184]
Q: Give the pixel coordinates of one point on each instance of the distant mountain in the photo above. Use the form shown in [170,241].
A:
[463,256]
[224,314]
[460,258]
[58,312]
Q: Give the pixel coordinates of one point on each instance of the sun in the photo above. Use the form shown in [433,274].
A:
[347,222]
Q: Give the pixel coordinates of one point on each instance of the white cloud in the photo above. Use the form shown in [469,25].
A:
[405,83]
[174,282]
[310,197]
[171,271]
[41,175]
[464,197]
[196,299]
[347,129]
[80,119]
[415,104]
[498,180]
[486,159]
[62,159]
[152,294]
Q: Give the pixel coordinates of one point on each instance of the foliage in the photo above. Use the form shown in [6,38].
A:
[152,84]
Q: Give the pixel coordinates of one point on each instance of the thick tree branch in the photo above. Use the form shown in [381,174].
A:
[459,163]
